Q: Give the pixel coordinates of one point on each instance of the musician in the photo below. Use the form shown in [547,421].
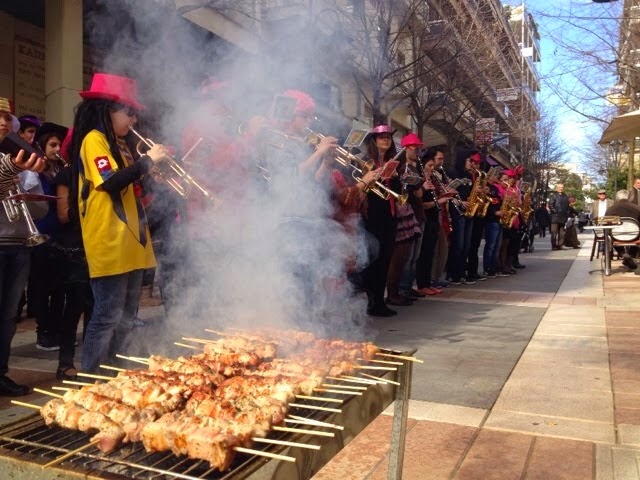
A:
[105,190]
[505,187]
[75,273]
[14,255]
[477,229]
[441,251]
[380,221]
[492,230]
[413,167]
[432,205]
[28,126]
[462,226]
[45,287]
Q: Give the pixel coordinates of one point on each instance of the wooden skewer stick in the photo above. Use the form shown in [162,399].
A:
[28,405]
[318,423]
[339,392]
[302,430]
[386,362]
[133,359]
[371,367]
[288,444]
[346,387]
[400,357]
[70,454]
[260,453]
[381,380]
[218,332]
[93,375]
[63,389]
[313,407]
[73,382]
[185,345]
[46,392]
[351,380]
[320,399]
[115,369]
[198,340]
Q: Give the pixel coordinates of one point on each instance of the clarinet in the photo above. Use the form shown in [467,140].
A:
[456,201]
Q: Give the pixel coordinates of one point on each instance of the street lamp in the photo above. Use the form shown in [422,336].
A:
[615,147]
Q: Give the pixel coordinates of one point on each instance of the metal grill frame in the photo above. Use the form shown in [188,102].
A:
[43,444]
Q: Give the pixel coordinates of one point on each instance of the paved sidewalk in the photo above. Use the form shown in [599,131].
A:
[570,408]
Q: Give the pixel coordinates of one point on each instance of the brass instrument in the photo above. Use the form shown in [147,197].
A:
[15,209]
[475,197]
[509,209]
[175,176]
[359,169]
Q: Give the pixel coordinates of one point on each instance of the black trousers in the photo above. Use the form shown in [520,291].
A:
[47,295]
[425,260]
[474,246]
[557,235]
[514,245]
[375,275]
[78,301]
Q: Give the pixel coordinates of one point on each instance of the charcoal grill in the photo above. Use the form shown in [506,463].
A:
[27,444]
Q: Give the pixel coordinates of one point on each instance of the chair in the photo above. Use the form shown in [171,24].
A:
[598,239]
[627,234]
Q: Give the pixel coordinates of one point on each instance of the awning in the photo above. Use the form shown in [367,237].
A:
[623,127]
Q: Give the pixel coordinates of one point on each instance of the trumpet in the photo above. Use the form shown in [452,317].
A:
[359,169]
[15,209]
[176,176]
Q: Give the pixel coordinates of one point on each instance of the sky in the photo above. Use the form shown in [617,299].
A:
[578,37]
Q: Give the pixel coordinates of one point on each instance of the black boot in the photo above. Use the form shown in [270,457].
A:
[9,388]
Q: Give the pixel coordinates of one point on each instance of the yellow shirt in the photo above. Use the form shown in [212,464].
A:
[114,230]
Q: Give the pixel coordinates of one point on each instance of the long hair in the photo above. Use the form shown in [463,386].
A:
[90,115]
[372,149]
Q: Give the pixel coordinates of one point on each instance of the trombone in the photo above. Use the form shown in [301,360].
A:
[177,178]
[14,209]
[359,169]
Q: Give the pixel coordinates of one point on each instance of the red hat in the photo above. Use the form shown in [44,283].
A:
[510,173]
[304,103]
[115,88]
[410,140]
[476,158]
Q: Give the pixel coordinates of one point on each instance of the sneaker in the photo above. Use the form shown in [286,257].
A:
[489,274]
[414,293]
[502,274]
[468,281]
[428,291]
[138,322]
[453,281]
[477,277]
[47,344]
[442,284]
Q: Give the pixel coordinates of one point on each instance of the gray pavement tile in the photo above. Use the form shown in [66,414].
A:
[604,462]
[625,464]
[629,434]
[560,376]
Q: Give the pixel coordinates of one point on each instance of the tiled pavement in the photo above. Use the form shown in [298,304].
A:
[569,410]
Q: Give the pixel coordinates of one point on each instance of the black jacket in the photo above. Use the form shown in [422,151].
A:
[634,196]
[542,217]
[624,208]
[559,207]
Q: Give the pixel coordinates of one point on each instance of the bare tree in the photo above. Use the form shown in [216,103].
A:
[551,154]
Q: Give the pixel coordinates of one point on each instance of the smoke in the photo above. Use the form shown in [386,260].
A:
[271,253]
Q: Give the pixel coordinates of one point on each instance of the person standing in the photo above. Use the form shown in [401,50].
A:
[559,207]
[543,219]
[106,191]
[634,193]
[477,230]
[600,206]
[492,231]
[441,252]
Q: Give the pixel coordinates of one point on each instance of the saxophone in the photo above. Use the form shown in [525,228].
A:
[509,209]
[477,195]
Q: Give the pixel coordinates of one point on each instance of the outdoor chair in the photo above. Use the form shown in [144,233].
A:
[626,235]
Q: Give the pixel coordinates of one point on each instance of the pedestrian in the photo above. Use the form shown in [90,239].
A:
[634,194]
[600,206]
[559,207]
[543,219]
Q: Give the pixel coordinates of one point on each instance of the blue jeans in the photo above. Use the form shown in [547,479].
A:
[409,273]
[460,243]
[14,272]
[116,299]
[492,239]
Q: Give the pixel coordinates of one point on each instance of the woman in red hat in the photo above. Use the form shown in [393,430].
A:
[105,194]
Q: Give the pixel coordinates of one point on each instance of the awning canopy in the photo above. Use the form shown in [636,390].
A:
[622,127]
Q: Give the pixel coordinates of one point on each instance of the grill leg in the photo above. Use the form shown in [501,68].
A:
[399,430]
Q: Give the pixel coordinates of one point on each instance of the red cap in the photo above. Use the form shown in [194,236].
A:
[476,158]
[510,173]
[304,102]
[115,88]
[410,140]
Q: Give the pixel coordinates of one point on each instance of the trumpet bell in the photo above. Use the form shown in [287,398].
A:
[36,239]
[402,199]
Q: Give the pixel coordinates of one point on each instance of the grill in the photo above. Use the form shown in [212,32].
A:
[27,444]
